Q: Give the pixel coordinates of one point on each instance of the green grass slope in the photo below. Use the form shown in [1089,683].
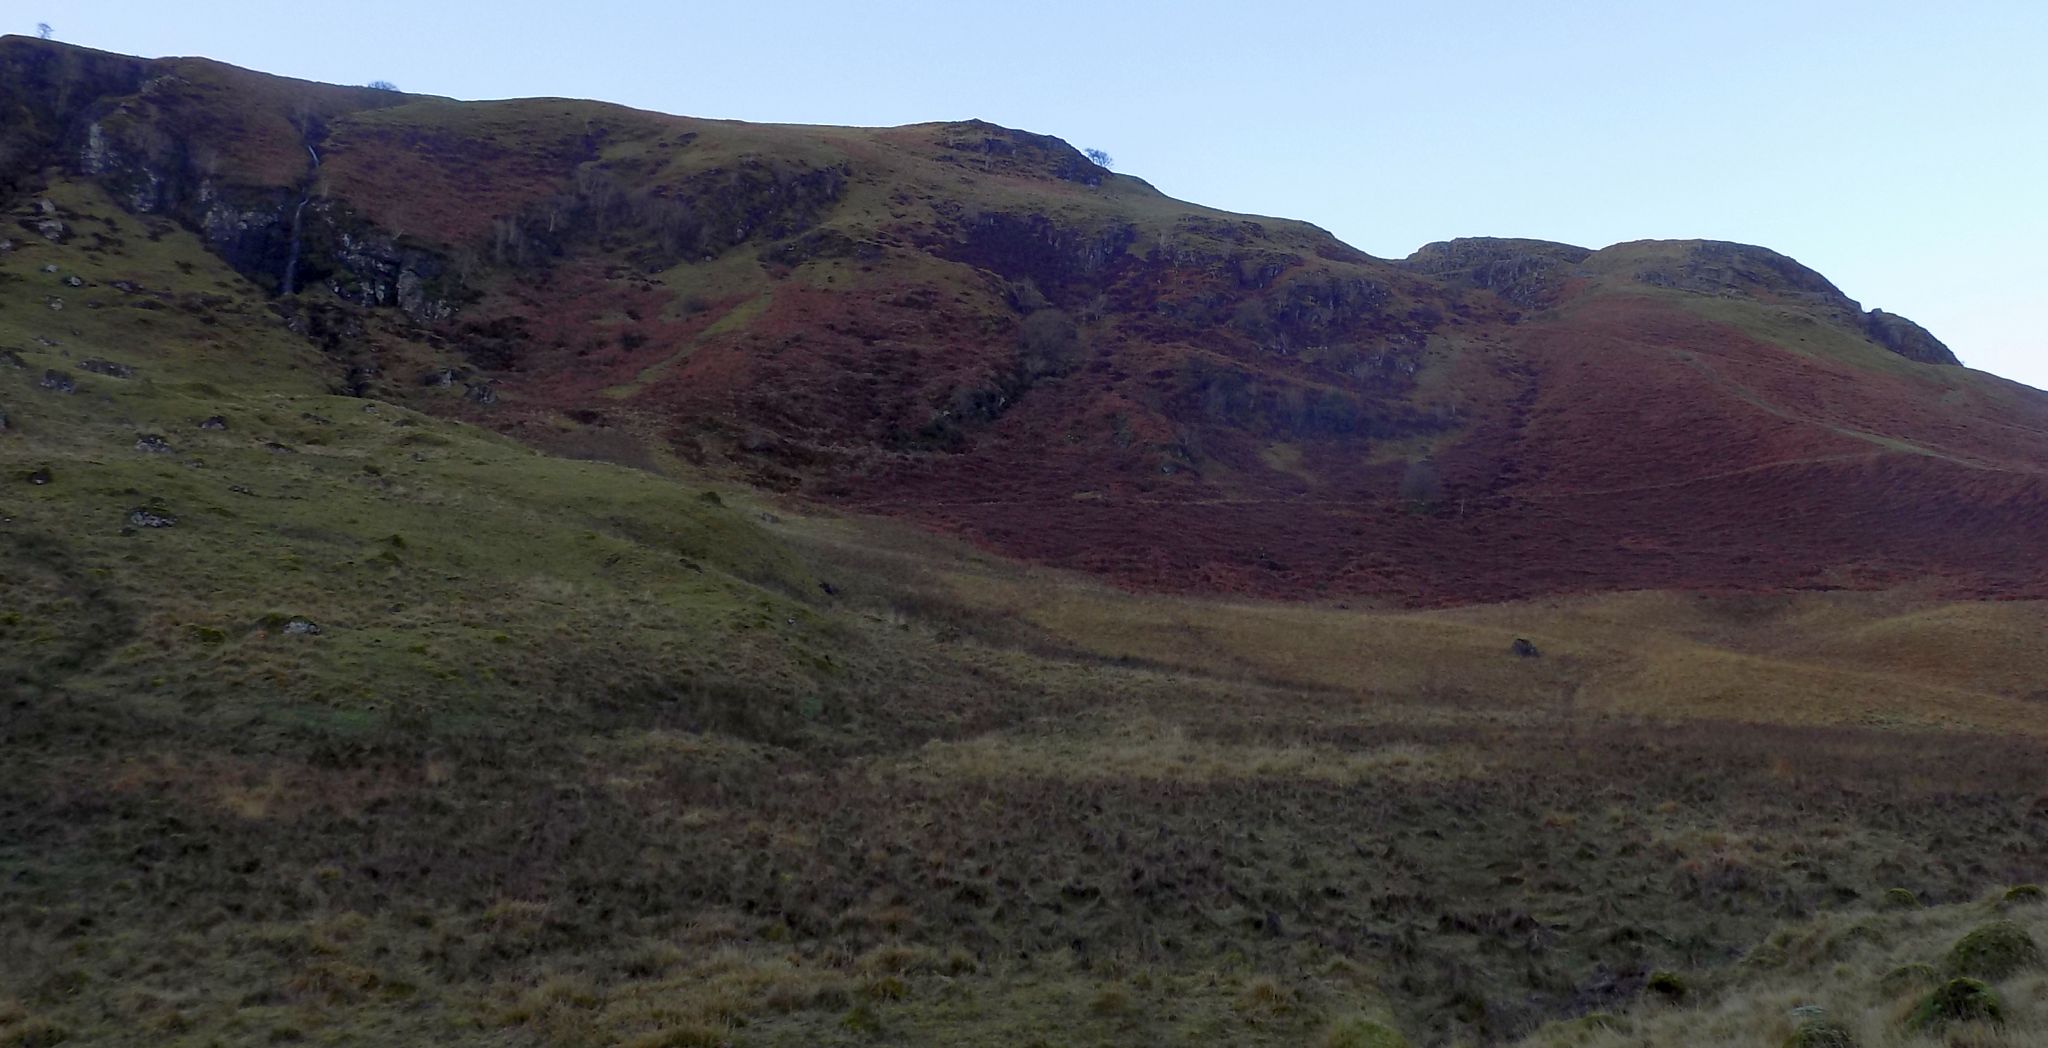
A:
[333,719]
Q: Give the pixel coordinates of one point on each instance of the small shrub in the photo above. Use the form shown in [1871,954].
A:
[1958,1000]
[2024,895]
[1994,951]
[1900,899]
[861,1019]
[1821,1033]
[1667,985]
[1358,1032]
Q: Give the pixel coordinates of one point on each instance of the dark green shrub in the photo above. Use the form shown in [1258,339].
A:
[1821,1033]
[1667,985]
[1994,951]
[1900,899]
[1957,1000]
[2025,895]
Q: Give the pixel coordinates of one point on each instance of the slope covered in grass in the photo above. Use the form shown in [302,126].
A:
[372,677]
[1968,973]
[975,329]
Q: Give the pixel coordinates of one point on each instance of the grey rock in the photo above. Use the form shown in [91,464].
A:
[106,367]
[74,281]
[303,627]
[151,517]
[153,443]
[1906,338]
[39,476]
[1523,648]
[58,381]
[213,422]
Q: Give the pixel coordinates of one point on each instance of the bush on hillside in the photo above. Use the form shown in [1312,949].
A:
[2024,895]
[1958,1000]
[1821,1033]
[1994,951]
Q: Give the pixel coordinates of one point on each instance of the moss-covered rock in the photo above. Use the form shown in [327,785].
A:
[1957,1000]
[1994,951]
[1900,899]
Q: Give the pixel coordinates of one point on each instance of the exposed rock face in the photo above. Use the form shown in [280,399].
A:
[987,146]
[1906,338]
[1528,273]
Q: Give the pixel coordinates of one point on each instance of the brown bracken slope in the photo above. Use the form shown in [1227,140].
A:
[976,329]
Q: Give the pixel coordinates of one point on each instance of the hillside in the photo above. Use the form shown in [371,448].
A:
[568,619]
[976,329]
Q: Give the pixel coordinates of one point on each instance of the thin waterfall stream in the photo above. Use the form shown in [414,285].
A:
[291,261]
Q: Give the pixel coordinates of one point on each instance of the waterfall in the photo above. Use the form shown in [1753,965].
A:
[291,260]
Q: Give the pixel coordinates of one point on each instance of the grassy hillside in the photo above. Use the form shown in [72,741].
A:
[1963,974]
[974,329]
[341,722]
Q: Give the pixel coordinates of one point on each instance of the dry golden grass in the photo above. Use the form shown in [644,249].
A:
[1145,749]
[1897,658]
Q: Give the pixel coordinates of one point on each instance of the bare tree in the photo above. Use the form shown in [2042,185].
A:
[43,31]
[1099,158]
[381,85]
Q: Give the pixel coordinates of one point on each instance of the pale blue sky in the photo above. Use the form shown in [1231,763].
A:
[1899,148]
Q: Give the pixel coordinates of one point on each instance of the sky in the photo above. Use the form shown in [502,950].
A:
[1901,149]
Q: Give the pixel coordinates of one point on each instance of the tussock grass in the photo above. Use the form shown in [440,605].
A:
[1848,975]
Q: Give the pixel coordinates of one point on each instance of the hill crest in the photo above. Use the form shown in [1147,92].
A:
[978,329]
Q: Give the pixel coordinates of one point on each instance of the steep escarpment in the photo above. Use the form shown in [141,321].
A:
[978,329]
